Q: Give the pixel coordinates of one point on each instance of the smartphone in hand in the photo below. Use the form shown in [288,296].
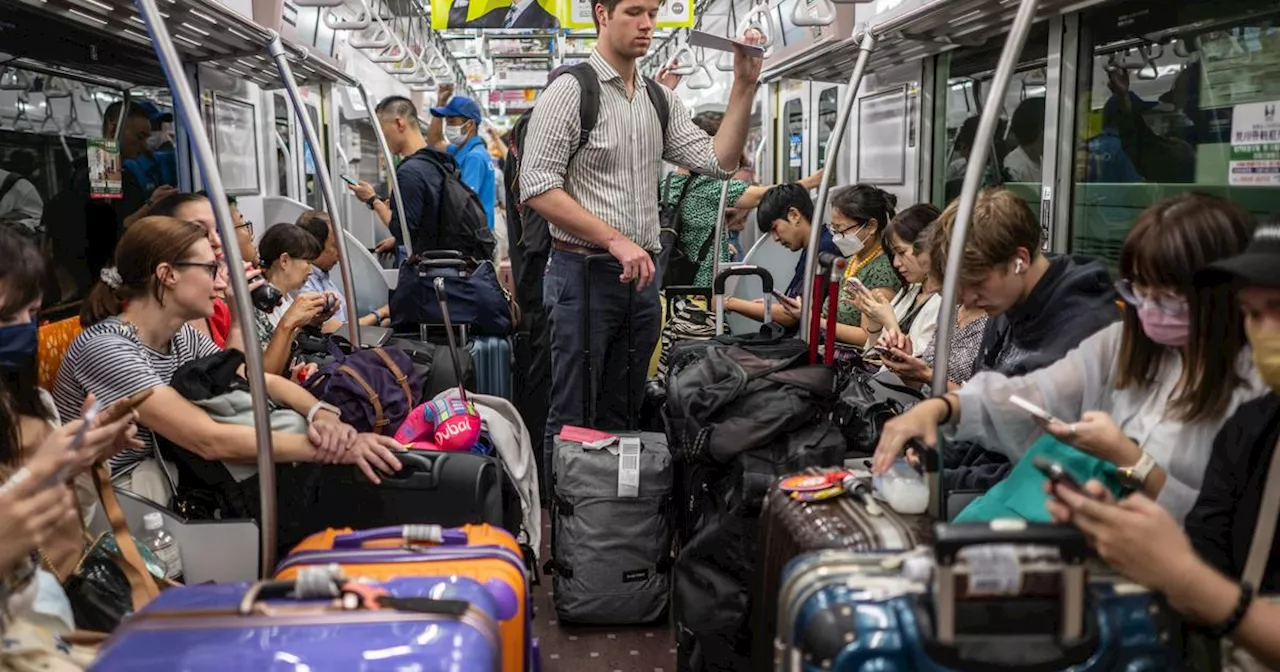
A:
[1057,474]
[347,178]
[1031,408]
[77,441]
[887,353]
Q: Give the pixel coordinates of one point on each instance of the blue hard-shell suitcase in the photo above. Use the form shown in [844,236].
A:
[843,611]
[492,358]
[261,626]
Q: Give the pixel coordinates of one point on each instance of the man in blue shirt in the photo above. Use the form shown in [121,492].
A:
[459,134]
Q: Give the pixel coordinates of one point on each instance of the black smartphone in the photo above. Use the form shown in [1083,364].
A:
[887,353]
[1057,473]
[348,180]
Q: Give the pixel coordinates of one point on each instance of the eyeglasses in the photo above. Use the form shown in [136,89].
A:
[210,266]
[247,225]
[1138,298]
[831,226]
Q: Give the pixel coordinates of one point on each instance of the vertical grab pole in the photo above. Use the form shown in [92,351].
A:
[185,100]
[834,141]
[275,49]
[715,248]
[973,174]
[393,182]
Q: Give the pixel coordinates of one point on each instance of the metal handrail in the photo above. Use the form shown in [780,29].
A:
[834,141]
[185,100]
[719,244]
[393,181]
[275,49]
[973,175]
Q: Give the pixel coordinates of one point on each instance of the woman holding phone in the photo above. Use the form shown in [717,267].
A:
[1144,395]
[913,311]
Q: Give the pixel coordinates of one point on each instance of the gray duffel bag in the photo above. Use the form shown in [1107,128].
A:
[611,530]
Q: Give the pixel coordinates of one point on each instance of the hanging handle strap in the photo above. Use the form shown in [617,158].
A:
[141,588]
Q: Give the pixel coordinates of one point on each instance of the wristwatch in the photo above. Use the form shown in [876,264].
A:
[322,406]
[372,200]
[1136,476]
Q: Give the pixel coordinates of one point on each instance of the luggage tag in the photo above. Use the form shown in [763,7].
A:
[994,570]
[589,438]
[629,466]
[816,487]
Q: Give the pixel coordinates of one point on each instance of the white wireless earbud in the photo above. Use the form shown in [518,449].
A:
[1017,266]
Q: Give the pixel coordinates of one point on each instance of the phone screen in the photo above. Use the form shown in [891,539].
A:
[77,442]
[780,296]
[349,181]
[1030,408]
[1056,473]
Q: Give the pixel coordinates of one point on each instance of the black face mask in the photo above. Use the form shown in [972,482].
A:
[18,344]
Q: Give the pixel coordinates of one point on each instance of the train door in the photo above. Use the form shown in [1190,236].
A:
[791,130]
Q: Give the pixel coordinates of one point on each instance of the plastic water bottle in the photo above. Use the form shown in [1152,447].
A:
[162,545]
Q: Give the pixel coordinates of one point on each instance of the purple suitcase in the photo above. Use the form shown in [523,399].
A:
[224,627]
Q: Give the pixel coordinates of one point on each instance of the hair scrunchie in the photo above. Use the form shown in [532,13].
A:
[111,277]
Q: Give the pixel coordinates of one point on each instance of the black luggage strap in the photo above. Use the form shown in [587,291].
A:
[562,506]
[424,605]
[557,568]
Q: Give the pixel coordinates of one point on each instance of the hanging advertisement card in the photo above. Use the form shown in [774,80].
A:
[1255,145]
[496,14]
[104,169]
[671,14]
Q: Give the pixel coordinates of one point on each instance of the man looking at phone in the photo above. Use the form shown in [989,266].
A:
[599,194]
[786,213]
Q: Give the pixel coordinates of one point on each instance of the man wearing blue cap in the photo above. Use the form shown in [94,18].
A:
[455,128]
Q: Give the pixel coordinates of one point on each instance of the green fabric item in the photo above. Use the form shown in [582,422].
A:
[1021,494]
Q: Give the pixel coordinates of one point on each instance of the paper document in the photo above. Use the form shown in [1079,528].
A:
[697,38]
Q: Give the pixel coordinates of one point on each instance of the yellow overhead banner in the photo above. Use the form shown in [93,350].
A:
[538,14]
[495,14]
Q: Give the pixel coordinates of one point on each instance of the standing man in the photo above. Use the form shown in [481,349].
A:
[602,197]
[419,182]
[459,135]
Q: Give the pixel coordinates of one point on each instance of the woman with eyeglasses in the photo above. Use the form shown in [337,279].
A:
[1147,394]
[285,255]
[136,336]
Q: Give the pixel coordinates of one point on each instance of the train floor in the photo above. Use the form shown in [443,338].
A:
[597,648]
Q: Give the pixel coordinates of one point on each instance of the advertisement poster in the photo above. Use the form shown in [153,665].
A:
[495,14]
[1255,145]
[104,169]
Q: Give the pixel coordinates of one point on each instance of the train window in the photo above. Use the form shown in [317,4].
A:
[284,153]
[826,121]
[1175,96]
[1015,157]
[793,116]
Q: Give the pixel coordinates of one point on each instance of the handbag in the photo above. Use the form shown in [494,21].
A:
[114,578]
[475,297]
[864,404]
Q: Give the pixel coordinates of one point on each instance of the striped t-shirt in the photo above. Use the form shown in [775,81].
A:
[109,361]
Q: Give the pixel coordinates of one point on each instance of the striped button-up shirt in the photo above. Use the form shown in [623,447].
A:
[615,175]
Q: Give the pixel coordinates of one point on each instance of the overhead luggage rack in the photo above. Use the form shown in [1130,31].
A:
[920,29]
[109,40]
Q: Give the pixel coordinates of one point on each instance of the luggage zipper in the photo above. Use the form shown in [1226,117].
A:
[398,555]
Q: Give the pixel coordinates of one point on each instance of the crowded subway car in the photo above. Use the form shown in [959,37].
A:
[631,335]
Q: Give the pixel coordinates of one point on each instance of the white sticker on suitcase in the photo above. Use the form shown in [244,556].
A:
[629,466]
[994,570]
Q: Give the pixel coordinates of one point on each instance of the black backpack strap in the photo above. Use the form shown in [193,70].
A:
[658,96]
[588,101]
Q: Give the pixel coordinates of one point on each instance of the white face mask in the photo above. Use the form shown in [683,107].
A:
[454,134]
[848,242]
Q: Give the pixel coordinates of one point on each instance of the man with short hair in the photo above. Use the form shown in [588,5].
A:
[318,224]
[600,194]
[455,128]
[419,182]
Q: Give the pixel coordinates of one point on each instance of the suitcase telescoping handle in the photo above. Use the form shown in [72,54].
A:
[426,255]
[414,534]
[588,384]
[448,329]
[720,282]
[950,538]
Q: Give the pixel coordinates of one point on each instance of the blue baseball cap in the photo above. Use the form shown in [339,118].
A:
[154,113]
[459,106]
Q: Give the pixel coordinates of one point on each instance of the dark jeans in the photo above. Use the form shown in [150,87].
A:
[623,330]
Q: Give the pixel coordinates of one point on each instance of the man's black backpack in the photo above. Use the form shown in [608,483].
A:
[460,222]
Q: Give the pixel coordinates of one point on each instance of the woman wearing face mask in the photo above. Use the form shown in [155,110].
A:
[859,215]
[287,251]
[1144,395]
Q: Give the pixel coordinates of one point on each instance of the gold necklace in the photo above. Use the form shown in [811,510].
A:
[855,269]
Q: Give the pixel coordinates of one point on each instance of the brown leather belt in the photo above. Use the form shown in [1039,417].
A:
[576,249]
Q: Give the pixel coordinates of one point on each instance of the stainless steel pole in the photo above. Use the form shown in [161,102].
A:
[973,174]
[834,141]
[185,99]
[275,49]
[719,242]
[393,181]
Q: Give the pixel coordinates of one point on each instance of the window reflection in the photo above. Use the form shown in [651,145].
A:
[793,113]
[1157,109]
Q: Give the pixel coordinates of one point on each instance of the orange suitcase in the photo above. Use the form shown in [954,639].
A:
[487,554]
